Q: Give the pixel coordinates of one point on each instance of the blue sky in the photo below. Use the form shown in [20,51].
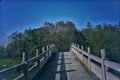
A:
[17,15]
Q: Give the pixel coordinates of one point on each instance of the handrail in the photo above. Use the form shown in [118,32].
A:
[86,54]
[6,72]
[24,66]
[105,64]
[112,65]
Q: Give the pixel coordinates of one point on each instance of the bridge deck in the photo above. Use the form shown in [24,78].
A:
[64,66]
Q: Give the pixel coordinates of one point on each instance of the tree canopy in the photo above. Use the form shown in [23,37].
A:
[63,34]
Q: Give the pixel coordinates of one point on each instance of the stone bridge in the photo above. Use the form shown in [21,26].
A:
[77,64]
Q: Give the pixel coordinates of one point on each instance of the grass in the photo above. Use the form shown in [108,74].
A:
[8,62]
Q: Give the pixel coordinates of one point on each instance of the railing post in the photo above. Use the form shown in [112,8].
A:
[47,47]
[72,48]
[82,53]
[51,47]
[37,52]
[24,60]
[47,52]
[82,47]
[73,44]
[43,49]
[89,60]
[78,46]
[50,50]
[103,56]
[23,57]
[38,61]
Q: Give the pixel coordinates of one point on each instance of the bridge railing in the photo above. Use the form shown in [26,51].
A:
[29,68]
[100,66]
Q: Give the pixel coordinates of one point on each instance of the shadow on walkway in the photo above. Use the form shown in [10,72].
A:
[54,69]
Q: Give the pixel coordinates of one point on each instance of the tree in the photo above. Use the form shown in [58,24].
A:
[104,36]
[89,25]
[63,34]
[15,46]
[119,25]
[1,49]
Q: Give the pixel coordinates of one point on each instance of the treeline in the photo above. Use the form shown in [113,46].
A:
[1,49]
[104,36]
[62,34]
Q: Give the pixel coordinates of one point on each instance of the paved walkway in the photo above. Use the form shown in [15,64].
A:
[64,66]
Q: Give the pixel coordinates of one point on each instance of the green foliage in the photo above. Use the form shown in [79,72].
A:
[62,34]
[89,25]
[15,47]
[8,62]
[104,36]
[1,49]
